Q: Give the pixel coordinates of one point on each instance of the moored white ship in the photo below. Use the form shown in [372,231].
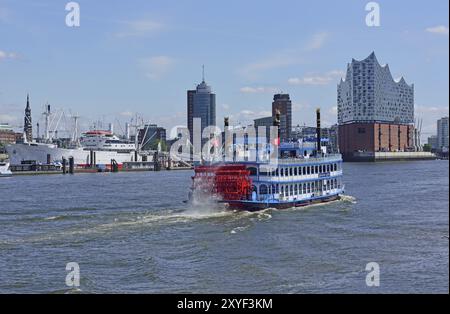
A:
[100,146]
[4,169]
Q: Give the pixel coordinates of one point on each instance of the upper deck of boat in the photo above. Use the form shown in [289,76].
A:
[331,158]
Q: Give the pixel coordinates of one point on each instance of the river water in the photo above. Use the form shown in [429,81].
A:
[131,232]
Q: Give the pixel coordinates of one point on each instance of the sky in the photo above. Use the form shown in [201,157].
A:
[140,57]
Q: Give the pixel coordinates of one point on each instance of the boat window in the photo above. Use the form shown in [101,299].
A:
[291,171]
[263,189]
[292,190]
[304,170]
[308,170]
[252,170]
[317,169]
[286,172]
[296,189]
[295,171]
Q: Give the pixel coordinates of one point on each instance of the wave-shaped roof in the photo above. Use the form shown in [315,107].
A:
[372,57]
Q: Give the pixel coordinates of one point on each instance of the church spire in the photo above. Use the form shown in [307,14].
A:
[27,125]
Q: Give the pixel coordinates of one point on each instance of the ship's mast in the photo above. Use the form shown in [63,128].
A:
[75,129]
[47,114]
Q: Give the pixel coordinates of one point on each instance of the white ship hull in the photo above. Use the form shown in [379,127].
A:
[39,153]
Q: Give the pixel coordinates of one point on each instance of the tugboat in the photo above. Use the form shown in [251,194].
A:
[301,176]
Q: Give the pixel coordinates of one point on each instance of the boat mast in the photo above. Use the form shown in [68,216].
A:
[47,121]
[75,130]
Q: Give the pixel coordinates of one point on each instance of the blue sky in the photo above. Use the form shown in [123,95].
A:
[142,56]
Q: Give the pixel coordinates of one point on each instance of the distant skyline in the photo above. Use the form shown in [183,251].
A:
[142,57]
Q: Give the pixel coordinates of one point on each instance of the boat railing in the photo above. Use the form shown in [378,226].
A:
[334,157]
[301,160]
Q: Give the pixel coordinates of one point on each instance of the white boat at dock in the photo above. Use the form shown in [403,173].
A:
[4,169]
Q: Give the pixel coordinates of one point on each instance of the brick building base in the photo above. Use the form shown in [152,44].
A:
[374,137]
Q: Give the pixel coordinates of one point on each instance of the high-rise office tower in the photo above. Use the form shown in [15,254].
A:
[442,133]
[283,104]
[201,103]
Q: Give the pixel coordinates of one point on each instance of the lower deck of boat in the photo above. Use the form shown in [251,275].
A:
[246,205]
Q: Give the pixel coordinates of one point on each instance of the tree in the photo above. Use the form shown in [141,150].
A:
[427,148]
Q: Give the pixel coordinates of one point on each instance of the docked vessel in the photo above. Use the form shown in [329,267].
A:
[93,148]
[301,176]
[4,169]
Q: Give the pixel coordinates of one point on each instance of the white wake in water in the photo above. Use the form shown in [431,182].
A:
[348,198]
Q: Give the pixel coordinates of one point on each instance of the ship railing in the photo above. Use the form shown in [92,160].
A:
[301,160]
[327,158]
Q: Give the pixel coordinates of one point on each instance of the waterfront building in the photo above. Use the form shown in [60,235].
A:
[375,112]
[201,103]
[442,134]
[27,124]
[308,134]
[150,136]
[433,142]
[7,135]
[267,122]
[283,104]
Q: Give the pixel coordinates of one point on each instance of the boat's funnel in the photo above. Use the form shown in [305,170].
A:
[318,133]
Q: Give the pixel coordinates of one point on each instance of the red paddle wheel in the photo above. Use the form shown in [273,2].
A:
[230,182]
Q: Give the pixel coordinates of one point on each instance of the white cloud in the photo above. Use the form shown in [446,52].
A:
[441,30]
[317,41]
[140,28]
[246,117]
[258,90]
[253,70]
[283,58]
[126,114]
[333,110]
[7,118]
[317,79]
[7,55]
[430,114]
[155,67]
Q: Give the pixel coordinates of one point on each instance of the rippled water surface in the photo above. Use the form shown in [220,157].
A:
[131,232]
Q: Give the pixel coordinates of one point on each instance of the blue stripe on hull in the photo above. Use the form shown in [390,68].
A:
[255,206]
